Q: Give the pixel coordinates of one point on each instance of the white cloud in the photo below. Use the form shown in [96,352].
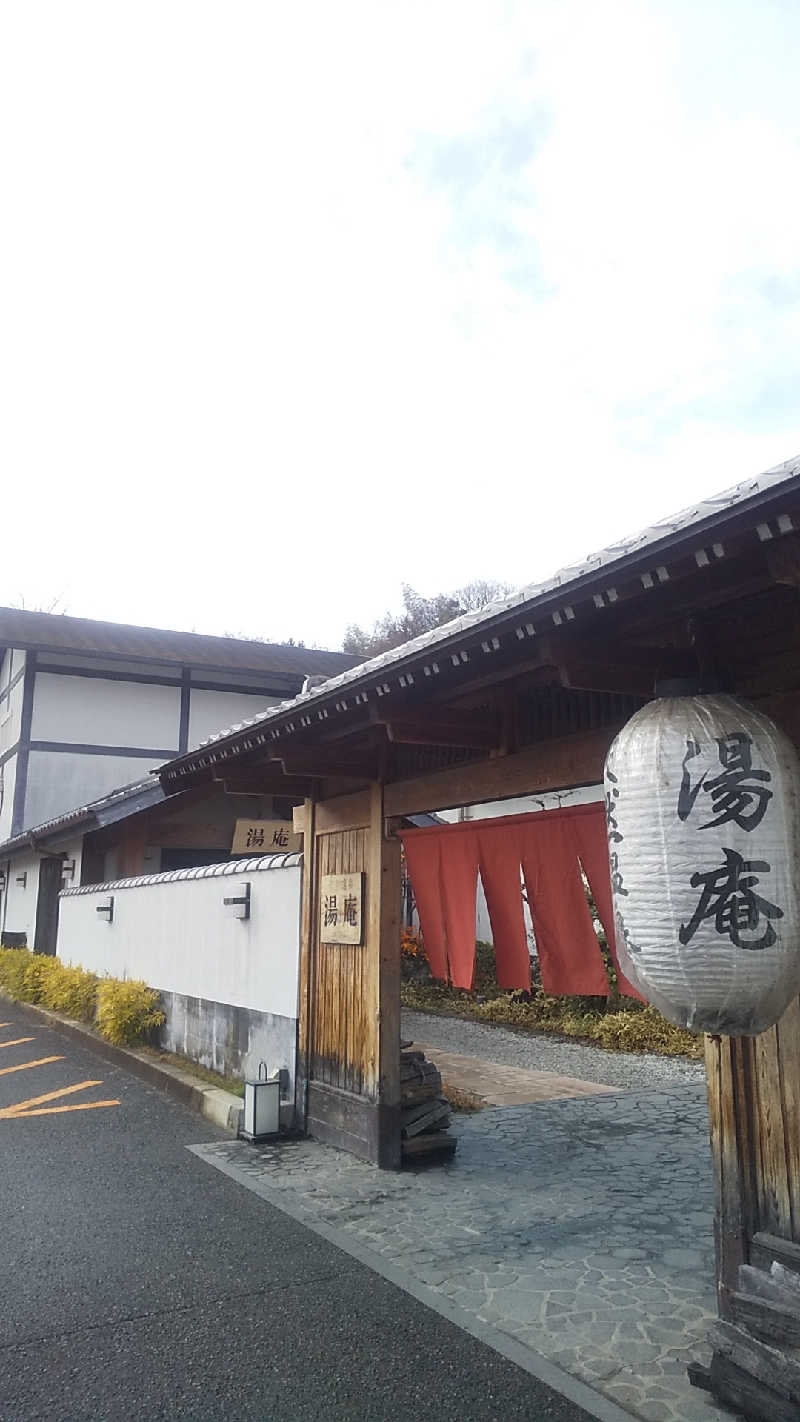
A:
[304,302]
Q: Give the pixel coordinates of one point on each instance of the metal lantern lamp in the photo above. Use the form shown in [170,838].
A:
[262,1107]
[703,817]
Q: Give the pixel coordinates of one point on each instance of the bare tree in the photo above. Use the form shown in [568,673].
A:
[420,614]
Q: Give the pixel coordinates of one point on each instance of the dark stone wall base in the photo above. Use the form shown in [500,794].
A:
[231,1040]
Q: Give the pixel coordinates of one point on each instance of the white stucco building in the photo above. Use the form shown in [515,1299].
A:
[86,707]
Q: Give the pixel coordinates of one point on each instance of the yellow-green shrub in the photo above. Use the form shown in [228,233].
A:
[70,990]
[40,972]
[13,963]
[126,1011]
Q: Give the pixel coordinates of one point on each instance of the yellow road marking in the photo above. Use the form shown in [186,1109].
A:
[49,1096]
[26,1108]
[6,1024]
[23,1066]
[54,1110]
[19,1041]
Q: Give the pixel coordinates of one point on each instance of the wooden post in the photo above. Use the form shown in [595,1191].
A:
[349,1025]
[308,826]
[754,1110]
[384,890]
[131,852]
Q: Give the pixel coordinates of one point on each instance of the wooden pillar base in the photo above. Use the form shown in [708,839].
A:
[364,1128]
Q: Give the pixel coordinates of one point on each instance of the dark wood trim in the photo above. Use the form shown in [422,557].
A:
[77,748]
[186,697]
[321,763]
[258,782]
[292,685]
[23,745]
[176,680]
[285,678]
[140,678]
[431,727]
[14,681]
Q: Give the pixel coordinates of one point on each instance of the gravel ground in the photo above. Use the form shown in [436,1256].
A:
[548,1053]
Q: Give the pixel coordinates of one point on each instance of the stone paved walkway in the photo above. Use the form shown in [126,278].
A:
[504,1085]
[581,1228]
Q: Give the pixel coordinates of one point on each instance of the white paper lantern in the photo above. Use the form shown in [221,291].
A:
[703,812]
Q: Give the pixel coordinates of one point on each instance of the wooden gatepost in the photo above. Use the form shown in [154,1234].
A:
[349,1028]
[754,1109]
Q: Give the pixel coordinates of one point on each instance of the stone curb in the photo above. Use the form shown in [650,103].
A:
[221,1108]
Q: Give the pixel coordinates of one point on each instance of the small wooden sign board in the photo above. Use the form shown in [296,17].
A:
[265,837]
[341,908]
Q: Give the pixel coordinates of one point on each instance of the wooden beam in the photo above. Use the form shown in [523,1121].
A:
[343,812]
[783,561]
[442,728]
[322,762]
[263,780]
[593,674]
[192,836]
[550,765]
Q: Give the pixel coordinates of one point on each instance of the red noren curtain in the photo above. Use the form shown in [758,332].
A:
[550,846]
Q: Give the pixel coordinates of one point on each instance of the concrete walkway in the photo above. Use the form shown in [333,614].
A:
[499,1085]
[578,1229]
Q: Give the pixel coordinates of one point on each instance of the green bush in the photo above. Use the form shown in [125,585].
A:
[128,1011]
[123,1012]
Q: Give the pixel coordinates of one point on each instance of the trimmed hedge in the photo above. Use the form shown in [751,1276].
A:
[123,1012]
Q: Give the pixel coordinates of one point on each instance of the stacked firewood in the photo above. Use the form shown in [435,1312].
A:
[425,1114]
[756,1361]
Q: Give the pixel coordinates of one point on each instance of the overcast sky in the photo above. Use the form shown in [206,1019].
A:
[303,301]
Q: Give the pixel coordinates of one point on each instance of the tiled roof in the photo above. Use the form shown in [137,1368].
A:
[49,632]
[116,805]
[562,584]
[262,864]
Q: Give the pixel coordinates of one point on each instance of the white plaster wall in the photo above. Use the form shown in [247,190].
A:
[10,725]
[178,937]
[72,849]
[93,711]
[8,778]
[19,910]
[59,781]
[11,706]
[211,711]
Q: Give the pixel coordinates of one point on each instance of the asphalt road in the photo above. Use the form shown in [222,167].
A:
[139,1283]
